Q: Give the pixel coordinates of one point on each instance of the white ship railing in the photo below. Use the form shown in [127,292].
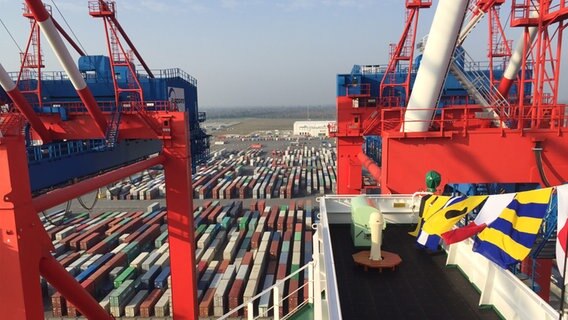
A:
[276,292]
[323,296]
[396,208]
[498,288]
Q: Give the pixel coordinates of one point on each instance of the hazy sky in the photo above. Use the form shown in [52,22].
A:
[245,52]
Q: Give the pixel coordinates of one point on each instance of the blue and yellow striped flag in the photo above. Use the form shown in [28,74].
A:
[509,238]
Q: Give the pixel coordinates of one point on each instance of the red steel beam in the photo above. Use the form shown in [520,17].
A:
[177,168]
[56,197]
[23,241]
[49,29]
[482,156]
[23,106]
[131,45]
[126,38]
[65,284]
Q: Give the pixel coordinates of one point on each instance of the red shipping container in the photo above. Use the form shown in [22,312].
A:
[65,262]
[275,248]
[261,206]
[247,259]
[149,235]
[212,218]
[158,219]
[147,307]
[201,267]
[280,223]
[293,299]
[90,241]
[236,295]
[256,237]
[223,266]
[272,265]
[206,305]
[288,235]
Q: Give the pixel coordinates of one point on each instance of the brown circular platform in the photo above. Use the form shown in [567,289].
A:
[390,260]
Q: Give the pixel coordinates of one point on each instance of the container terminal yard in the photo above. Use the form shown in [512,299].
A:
[437,192]
[233,221]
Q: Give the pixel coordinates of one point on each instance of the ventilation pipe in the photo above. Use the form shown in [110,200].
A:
[49,30]
[376,223]
[434,65]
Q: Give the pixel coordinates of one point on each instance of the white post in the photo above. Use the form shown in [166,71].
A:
[376,224]
[311,282]
[317,274]
[250,310]
[276,298]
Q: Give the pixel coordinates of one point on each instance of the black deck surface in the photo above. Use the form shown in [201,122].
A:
[420,288]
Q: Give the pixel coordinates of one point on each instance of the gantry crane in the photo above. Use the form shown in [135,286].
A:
[25,248]
[486,138]
[470,138]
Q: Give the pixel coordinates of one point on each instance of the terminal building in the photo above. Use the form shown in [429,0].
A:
[312,128]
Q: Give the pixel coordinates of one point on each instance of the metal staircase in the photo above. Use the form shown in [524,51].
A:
[479,87]
[473,80]
[545,244]
[112,129]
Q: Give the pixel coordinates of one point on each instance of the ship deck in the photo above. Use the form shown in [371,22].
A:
[422,287]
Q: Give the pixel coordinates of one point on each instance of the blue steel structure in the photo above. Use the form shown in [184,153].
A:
[77,159]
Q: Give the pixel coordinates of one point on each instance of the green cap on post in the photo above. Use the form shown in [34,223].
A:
[433,180]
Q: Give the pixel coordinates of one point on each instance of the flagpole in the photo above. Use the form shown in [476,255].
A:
[563,292]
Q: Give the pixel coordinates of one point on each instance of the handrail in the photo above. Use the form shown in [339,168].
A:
[109,106]
[277,284]
[331,292]
[159,73]
[461,119]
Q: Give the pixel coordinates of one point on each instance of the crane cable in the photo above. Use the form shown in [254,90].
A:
[11,36]
[94,201]
[68,26]
[67,211]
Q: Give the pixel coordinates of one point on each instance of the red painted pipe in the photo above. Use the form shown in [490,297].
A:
[23,106]
[59,196]
[61,280]
[370,165]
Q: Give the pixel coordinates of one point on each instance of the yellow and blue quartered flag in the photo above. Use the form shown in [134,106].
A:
[509,238]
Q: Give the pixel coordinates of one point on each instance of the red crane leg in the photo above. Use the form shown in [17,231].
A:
[25,247]
[23,240]
[349,174]
[61,280]
[179,200]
